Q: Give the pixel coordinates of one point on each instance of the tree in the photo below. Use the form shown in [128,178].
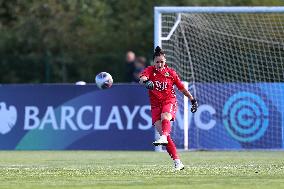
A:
[68,40]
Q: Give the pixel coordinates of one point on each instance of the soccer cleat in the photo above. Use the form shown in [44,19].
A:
[161,141]
[179,166]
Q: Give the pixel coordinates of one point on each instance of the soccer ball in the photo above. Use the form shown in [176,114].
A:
[104,80]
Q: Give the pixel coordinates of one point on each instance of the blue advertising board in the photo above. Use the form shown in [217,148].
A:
[58,117]
[234,116]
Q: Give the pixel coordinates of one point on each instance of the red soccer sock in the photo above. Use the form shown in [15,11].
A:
[166,127]
[171,148]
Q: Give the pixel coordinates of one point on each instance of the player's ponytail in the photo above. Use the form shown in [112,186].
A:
[158,52]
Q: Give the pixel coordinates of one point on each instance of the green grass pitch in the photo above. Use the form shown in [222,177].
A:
[118,169]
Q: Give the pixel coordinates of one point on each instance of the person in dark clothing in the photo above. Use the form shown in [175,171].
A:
[130,66]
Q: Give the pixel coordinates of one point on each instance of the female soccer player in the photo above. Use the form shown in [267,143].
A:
[160,80]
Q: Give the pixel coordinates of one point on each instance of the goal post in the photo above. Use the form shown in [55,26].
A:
[232,61]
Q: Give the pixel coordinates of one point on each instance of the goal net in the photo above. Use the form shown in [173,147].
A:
[233,61]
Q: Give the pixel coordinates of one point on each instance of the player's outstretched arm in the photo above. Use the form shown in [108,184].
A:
[142,79]
[193,101]
[148,83]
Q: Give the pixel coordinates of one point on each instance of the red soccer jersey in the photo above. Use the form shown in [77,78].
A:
[164,81]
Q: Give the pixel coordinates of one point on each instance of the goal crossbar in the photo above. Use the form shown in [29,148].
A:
[241,9]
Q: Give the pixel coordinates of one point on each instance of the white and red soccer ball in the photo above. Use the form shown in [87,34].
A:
[104,80]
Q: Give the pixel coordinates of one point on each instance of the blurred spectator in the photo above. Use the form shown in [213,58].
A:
[130,61]
[139,66]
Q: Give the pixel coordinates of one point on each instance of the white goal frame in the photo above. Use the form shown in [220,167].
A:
[158,38]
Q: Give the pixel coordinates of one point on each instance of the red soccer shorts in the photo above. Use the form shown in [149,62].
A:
[156,111]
